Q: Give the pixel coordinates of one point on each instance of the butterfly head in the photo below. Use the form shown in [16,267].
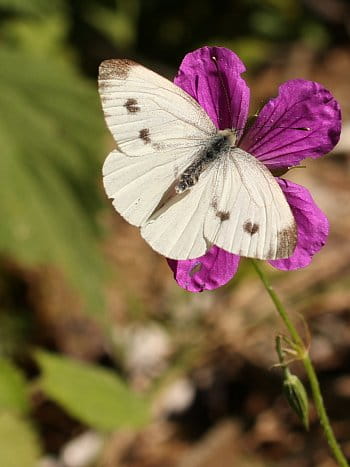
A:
[230,135]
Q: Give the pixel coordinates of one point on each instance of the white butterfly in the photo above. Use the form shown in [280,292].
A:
[183,182]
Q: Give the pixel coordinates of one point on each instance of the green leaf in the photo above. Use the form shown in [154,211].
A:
[50,136]
[13,389]
[93,395]
[18,442]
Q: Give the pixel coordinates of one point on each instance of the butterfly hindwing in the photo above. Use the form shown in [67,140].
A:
[176,229]
[138,185]
[236,205]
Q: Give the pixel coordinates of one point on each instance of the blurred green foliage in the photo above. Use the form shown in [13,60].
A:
[34,7]
[13,390]
[19,443]
[49,166]
[93,395]
[50,138]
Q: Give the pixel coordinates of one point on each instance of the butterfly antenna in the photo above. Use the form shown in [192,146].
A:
[255,116]
[299,128]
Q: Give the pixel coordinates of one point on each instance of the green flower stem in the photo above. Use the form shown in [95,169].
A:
[310,371]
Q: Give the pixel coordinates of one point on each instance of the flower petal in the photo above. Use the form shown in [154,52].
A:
[304,120]
[208,272]
[312,226]
[211,75]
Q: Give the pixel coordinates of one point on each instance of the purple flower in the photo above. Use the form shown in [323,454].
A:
[304,120]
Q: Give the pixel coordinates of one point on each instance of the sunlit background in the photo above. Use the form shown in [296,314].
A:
[168,378]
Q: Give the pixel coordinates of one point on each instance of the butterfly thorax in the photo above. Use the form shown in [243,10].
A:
[216,147]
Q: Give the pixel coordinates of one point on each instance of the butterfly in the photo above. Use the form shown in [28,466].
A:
[183,182]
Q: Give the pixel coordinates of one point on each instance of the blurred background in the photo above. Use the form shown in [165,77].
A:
[104,360]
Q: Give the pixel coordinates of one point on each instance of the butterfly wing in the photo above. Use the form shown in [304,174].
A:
[147,113]
[236,204]
[176,230]
[249,214]
[138,185]
[158,129]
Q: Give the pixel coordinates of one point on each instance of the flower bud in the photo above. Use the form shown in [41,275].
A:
[296,396]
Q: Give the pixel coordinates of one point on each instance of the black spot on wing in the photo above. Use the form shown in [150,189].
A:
[131,106]
[144,135]
[222,215]
[250,228]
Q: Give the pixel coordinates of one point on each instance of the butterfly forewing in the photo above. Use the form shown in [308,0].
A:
[158,129]
[148,114]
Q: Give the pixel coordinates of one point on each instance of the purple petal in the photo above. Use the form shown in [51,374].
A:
[304,120]
[208,272]
[211,75]
[312,226]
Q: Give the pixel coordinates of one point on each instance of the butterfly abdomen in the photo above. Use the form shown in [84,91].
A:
[217,146]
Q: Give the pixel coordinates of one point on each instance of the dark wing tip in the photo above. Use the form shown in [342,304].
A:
[287,241]
[115,68]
